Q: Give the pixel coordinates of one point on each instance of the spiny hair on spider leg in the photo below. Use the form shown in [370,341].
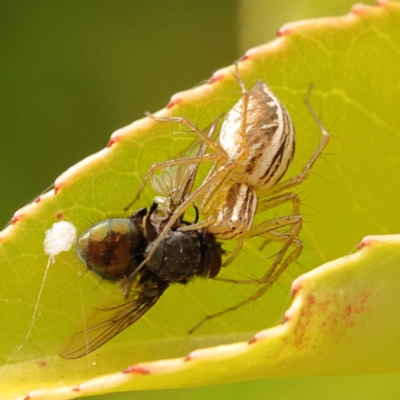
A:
[327,154]
[322,177]
[271,256]
[299,264]
[304,204]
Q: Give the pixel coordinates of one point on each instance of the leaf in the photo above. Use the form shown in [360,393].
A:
[344,314]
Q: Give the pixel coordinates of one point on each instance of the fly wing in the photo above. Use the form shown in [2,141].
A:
[177,182]
[187,176]
[105,323]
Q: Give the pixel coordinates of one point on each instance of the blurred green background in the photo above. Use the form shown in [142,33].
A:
[72,72]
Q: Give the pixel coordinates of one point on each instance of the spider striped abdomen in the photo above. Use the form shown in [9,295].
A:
[269,135]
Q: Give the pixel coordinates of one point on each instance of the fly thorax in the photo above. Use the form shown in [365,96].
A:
[236,214]
[177,258]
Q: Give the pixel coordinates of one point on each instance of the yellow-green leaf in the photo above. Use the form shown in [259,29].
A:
[343,319]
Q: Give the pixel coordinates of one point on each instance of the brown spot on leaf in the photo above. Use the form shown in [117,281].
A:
[136,369]
[252,340]
[364,243]
[296,287]
[284,31]
[215,78]
[174,102]
[381,3]
[111,142]
[357,9]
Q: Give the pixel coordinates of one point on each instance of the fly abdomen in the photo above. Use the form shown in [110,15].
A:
[111,248]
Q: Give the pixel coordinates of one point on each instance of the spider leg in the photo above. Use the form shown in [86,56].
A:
[273,224]
[272,276]
[212,144]
[275,201]
[171,163]
[234,253]
[243,123]
[126,284]
[275,236]
[243,155]
[296,180]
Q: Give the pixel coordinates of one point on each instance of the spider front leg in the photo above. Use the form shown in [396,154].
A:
[273,275]
[171,163]
[126,283]
[197,158]
[199,192]
[214,146]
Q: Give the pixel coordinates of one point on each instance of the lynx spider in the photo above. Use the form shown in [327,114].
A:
[254,149]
